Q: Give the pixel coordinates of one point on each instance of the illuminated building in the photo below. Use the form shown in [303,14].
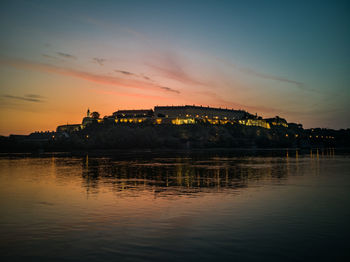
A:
[89,119]
[133,113]
[133,116]
[255,122]
[179,115]
[199,112]
[69,128]
[277,121]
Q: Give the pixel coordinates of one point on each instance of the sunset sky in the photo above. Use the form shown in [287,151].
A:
[286,58]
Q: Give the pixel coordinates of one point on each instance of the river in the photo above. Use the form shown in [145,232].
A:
[282,205]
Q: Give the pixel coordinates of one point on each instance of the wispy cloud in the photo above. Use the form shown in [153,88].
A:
[50,56]
[271,77]
[128,73]
[27,98]
[171,66]
[125,72]
[35,96]
[136,95]
[251,72]
[99,61]
[65,55]
[97,78]
[170,89]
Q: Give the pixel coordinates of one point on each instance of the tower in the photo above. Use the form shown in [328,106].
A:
[88,113]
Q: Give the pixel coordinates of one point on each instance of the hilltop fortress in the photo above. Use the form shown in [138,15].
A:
[180,127]
[177,115]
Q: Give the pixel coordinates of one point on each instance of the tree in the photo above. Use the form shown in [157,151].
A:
[95,115]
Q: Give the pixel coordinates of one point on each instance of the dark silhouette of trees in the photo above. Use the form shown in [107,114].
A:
[109,135]
[95,115]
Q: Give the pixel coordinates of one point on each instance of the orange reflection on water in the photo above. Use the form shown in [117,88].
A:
[102,188]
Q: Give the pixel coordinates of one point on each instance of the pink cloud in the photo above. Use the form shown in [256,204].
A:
[105,92]
[96,78]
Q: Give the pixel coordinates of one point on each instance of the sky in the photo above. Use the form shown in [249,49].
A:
[285,58]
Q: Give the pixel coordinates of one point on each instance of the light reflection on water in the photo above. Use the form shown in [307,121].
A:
[287,205]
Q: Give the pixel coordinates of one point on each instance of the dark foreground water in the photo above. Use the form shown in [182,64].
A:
[228,206]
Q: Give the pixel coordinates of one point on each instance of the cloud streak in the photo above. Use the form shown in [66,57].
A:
[251,72]
[135,95]
[133,74]
[27,98]
[51,57]
[65,55]
[271,77]
[96,78]
[125,72]
[165,88]
[99,61]
[170,89]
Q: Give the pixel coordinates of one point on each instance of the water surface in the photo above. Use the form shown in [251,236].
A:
[194,206]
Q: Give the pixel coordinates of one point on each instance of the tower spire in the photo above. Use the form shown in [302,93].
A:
[88,113]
